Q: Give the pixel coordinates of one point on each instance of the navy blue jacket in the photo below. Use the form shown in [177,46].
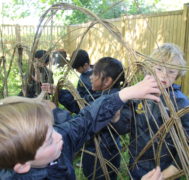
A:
[106,138]
[109,144]
[66,98]
[133,120]
[85,79]
[75,133]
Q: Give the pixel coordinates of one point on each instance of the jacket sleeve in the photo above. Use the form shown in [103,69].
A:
[123,125]
[6,174]
[91,97]
[84,80]
[91,120]
[61,116]
[67,100]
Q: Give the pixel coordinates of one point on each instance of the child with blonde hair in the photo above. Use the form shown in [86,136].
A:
[31,148]
[144,120]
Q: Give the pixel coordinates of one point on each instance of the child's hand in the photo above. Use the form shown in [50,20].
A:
[145,89]
[154,174]
[48,87]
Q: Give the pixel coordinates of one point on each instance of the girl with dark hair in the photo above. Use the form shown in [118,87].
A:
[107,78]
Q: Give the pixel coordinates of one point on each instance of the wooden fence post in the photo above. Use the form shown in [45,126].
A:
[185,79]
[67,44]
[18,34]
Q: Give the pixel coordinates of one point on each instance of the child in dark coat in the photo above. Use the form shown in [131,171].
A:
[143,121]
[33,149]
[107,78]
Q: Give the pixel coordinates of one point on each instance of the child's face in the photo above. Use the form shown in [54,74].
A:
[80,70]
[96,81]
[49,151]
[83,68]
[166,75]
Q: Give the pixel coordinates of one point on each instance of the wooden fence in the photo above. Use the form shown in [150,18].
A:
[141,32]
[20,34]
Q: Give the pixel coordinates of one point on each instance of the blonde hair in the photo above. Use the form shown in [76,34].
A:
[169,52]
[24,124]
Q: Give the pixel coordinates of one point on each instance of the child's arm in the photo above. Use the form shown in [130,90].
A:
[61,116]
[154,174]
[90,120]
[146,89]
[170,171]
[121,121]
[93,118]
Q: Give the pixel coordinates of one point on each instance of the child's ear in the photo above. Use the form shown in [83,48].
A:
[86,66]
[22,168]
[108,82]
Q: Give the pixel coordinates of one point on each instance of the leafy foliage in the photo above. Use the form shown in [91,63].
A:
[107,9]
[21,8]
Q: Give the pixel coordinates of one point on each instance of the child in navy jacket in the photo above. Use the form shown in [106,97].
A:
[107,78]
[33,149]
[143,121]
[81,63]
